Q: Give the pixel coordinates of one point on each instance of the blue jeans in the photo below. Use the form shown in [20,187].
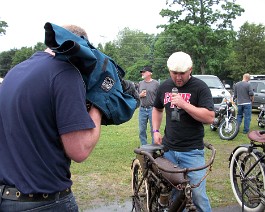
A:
[193,158]
[145,115]
[67,204]
[246,112]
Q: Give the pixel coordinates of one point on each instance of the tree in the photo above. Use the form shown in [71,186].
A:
[39,47]
[131,51]
[21,55]
[6,61]
[10,58]
[202,28]
[249,51]
[3,25]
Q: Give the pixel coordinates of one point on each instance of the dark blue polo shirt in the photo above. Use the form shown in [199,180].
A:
[40,99]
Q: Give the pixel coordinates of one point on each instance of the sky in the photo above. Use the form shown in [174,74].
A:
[102,19]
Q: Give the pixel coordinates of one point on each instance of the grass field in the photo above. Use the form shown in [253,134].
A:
[105,176]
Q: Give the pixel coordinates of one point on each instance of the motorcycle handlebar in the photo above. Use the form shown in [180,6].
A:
[178,170]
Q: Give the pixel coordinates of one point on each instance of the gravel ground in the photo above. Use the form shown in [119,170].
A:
[127,207]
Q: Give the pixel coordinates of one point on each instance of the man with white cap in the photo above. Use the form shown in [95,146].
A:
[187,109]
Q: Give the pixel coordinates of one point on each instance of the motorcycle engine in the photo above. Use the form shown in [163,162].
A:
[216,121]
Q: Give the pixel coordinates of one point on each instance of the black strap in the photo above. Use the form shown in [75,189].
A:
[2,188]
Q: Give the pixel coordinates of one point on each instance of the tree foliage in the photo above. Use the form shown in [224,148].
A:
[3,26]
[202,28]
[132,50]
[8,59]
[249,51]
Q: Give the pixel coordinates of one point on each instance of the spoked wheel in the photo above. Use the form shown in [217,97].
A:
[249,185]
[153,197]
[139,188]
[230,131]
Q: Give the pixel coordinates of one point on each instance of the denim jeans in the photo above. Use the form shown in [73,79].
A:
[246,112]
[194,158]
[145,115]
[67,204]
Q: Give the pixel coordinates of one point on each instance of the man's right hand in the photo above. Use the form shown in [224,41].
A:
[157,138]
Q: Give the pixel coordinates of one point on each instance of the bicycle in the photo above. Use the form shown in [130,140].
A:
[246,171]
[154,177]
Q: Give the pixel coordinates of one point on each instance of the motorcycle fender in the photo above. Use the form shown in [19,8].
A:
[140,158]
[231,155]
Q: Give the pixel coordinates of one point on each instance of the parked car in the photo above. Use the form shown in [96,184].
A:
[258,86]
[1,80]
[218,89]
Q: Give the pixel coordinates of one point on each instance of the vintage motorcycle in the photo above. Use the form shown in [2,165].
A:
[225,121]
[261,116]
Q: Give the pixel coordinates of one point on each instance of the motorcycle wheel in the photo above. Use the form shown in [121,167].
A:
[139,191]
[213,128]
[231,131]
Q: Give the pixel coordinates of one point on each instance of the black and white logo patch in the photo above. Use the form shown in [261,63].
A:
[107,84]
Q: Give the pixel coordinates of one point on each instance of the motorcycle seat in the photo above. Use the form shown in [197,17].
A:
[257,135]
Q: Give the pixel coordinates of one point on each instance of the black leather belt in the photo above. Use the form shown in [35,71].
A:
[147,107]
[12,193]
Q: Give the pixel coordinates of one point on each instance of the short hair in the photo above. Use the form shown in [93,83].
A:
[179,62]
[77,30]
[246,76]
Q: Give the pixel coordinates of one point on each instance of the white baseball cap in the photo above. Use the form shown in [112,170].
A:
[179,62]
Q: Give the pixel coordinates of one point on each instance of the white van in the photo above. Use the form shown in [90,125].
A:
[1,80]
[218,89]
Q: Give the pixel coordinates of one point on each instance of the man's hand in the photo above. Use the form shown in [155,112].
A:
[129,88]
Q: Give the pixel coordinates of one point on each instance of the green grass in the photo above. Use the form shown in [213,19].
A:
[105,176]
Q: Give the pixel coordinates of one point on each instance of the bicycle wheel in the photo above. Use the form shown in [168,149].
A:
[252,184]
[228,132]
[140,197]
[153,194]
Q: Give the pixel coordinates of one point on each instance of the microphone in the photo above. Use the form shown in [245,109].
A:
[175,113]
[175,90]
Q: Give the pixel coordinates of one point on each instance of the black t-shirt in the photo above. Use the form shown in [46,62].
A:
[188,133]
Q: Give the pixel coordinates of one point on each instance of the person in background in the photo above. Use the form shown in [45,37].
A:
[187,109]
[147,92]
[44,124]
[243,94]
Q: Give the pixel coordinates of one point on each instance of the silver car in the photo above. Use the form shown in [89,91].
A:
[258,87]
[218,89]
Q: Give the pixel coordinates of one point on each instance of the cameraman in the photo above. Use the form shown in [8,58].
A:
[44,124]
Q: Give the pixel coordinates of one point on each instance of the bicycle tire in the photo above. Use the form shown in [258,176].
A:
[153,194]
[140,199]
[240,163]
[231,132]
